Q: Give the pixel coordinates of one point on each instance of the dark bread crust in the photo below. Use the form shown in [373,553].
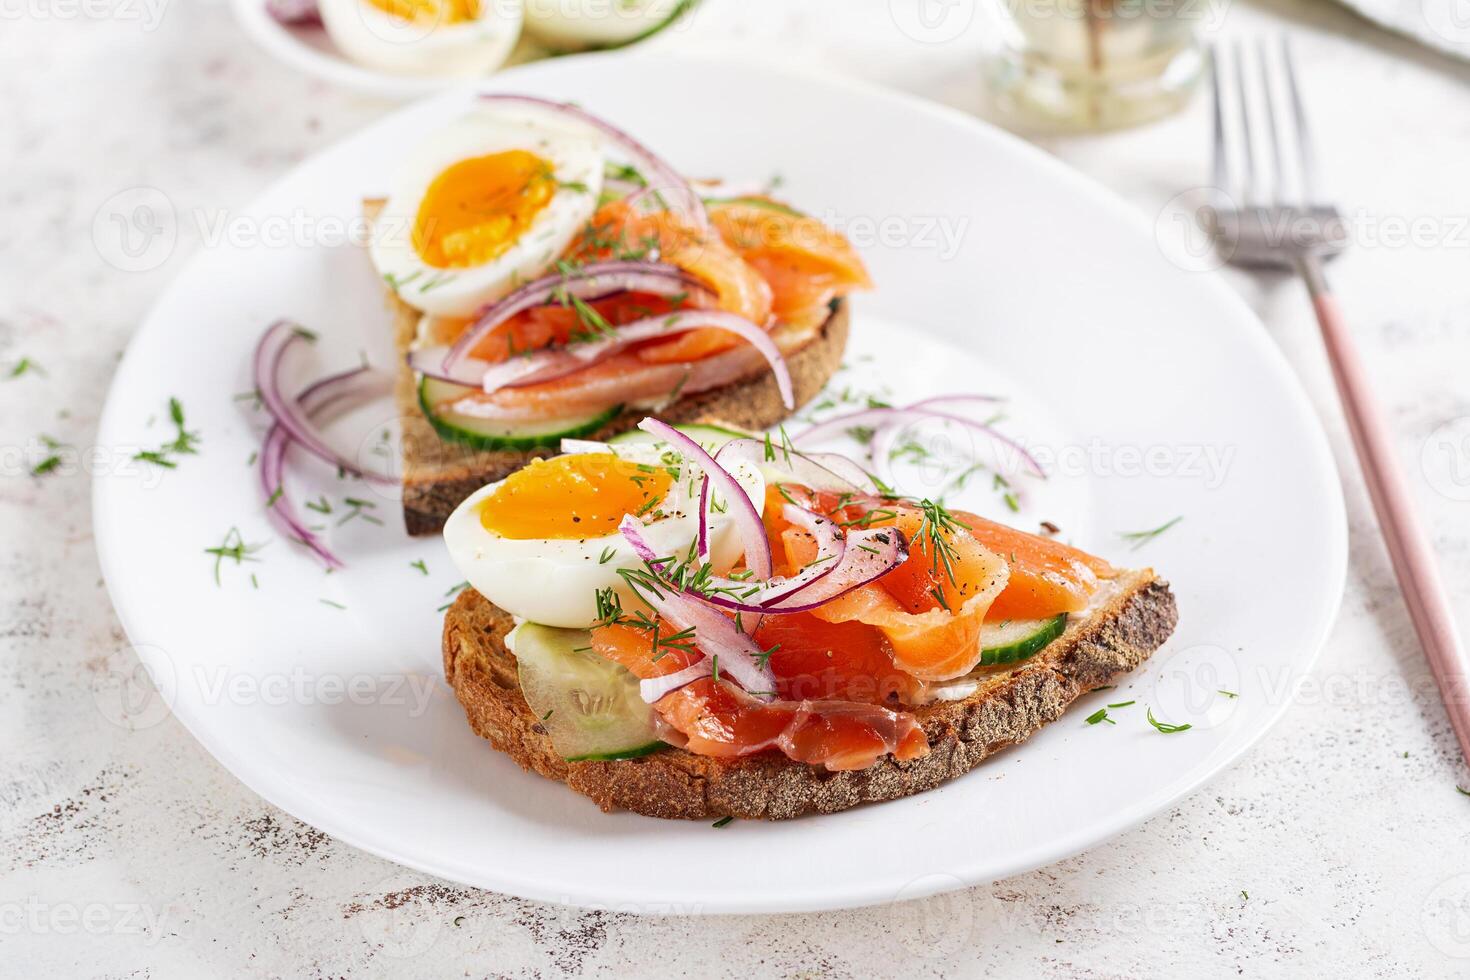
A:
[1006,710]
[438,475]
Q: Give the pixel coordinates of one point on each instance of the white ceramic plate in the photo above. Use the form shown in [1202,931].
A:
[309,49]
[1156,391]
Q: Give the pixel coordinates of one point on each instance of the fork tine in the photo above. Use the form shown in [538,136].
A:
[1248,191]
[1278,163]
[1222,158]
[1307,156]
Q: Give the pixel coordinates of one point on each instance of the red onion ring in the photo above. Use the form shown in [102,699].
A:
[870,554]
[594,280]
[715,634]
[883,417]
[747,517]
[954,399]
[270,356]
[819,471]
[651,689]
[294,11]
[759,597]
[340,391]
[429,361]
[546,365]
[660,176]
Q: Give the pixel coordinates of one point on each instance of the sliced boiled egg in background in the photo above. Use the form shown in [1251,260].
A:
[455,38]
[484,206]
[576,24]
[541,542]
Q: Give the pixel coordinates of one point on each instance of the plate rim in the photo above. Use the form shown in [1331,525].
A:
[815,898]
[276,40]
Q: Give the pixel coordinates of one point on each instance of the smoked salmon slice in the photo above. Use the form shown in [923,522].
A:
[785,269]
[1046,576]
[930,608]
[738,287]
[719,719]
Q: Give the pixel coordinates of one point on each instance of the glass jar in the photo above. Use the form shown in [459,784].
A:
[1096,64]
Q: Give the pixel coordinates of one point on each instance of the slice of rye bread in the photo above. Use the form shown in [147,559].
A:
[1008,707]
[438,474]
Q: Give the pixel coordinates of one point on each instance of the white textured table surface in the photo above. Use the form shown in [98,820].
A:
[1338,845]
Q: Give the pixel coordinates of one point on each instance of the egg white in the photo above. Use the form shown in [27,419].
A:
[573,24]
[575,155]
[554,582]
[376,39]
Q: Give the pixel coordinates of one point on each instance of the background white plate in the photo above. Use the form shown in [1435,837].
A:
[1055,289]
[308,48]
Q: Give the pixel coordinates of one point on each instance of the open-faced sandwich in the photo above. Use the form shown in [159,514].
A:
[686,623]
[552,278]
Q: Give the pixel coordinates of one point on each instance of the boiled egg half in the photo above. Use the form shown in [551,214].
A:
[483,206]
[456,38]
[541,543]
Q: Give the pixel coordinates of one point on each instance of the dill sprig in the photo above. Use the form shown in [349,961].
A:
[1141,538]
[232,547]
[933,536]
[184,442]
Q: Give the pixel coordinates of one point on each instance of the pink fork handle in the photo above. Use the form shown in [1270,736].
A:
[1408,548]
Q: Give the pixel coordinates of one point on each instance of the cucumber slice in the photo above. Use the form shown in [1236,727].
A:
[711,437]
[1017,639]
[756,202]
[683,8]
[589,706]
[488,434]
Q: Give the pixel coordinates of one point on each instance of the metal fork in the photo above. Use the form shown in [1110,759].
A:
[1265,165]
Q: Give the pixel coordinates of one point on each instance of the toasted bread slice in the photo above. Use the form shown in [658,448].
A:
[1132,622]
[438,475]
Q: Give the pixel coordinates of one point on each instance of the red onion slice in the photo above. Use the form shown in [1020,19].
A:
[270,356]
[746,515]
[758,597]
[429,361]
[653,688]
[594,280]
[956,400]
[294,11]
[661,177]
[818,471]
[715,634]
[547,365]
[880,418]
[340,391]
[871,553]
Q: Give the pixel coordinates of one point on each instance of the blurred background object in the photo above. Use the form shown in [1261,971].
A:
[1095,64]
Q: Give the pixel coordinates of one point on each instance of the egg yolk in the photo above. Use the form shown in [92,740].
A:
[430,11]
[579,496]
[476,209]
